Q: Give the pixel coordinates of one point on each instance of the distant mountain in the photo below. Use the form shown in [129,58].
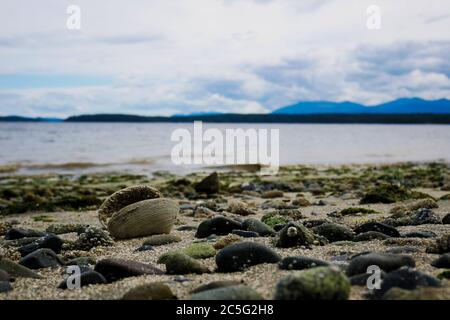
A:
[400,106]
[196,114]
[26,119]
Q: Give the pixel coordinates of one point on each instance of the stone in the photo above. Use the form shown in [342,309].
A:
[81,261]
[425,216]
[150,291]
[115,269]
[217,225]
[334,232]
[226,241]
[230,293]
[442,262]
[294,234]
[446,219]
[385,261]
[200,250]
[417,294]
[16,270]
[66,228]
[442,245]
[370,235]
[378,227]
[402,249]
[405,278]
[272,194]
[18,233]
[257,226]
[4,276]
[181,263]
[5,286]
[420,234]
[161,239]
[215,285]
[86,278]
[91,237]
[41,258]
[245,234]
[237,257]
[203,212]
[50,242]
[240,208]
[321,283]
[208,185]
[300,263]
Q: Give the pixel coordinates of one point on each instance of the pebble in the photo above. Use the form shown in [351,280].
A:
[334,232]
[4,276]
[239,256]
[405,278]
[181,263]
[217,225]
[420,234]
[231,293]
[417,294]
[446,219]
[81,261]
[300,263]
[321,283]
[200,250]
[385,261]
[379,227]
[245,234]
[41,258]
[66,228]
[402,249]
[91,237]
[370,235]
[257,226]
[215,285]
[442,245]
[161,239]
[18,233]
[150,291]
[144,247]
[442,262]
[240,208]
[203,212]
[226,241]
[187,228]
[208,185]
[86,278]
[16,270]
[425,216]
[294,234]
[115,269]
[50,242]
[5,286]
[272,194]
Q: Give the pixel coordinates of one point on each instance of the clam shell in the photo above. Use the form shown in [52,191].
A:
[143,218]
[123,198]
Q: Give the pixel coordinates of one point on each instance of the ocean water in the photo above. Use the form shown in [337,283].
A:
[146,147]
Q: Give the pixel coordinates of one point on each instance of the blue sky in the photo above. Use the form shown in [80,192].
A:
[169,57]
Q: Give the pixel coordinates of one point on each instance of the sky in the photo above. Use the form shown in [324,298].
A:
[160,57]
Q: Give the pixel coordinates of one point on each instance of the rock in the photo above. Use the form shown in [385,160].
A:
[301,202]
[361,279]
[161,239]
[417,294]
[321,283]
[203,212]
[294,234]
[442,262]
[150,291]
[217,225]
[272,219]
[240,208]
[81,261]
[300,263]
[245,234]
[215,285]
[402,249]
[200,250]
[16,270]
[17,233]
[231,293]
[115,269]
[444,275]
[181,263]
[86,278]
[315,223]
[91,237]
[144,247]
[187,228]
[5,286]
[226,241]
[385,261]
[208,185]
[425,216]
[370,235]
[334,232]
[442,245]
[4,276]
[237,257]
[50,242]
[386,193]
[41,258]
[446,219]
[257,226]
[420,234]
[405,278]
[357,211]
[378,227]
[272,194]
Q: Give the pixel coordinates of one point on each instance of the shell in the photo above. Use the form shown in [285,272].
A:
[143,218]
[123,198]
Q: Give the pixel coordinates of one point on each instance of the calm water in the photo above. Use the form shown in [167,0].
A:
[143,148]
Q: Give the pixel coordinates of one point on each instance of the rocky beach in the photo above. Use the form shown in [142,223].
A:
[308,233]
